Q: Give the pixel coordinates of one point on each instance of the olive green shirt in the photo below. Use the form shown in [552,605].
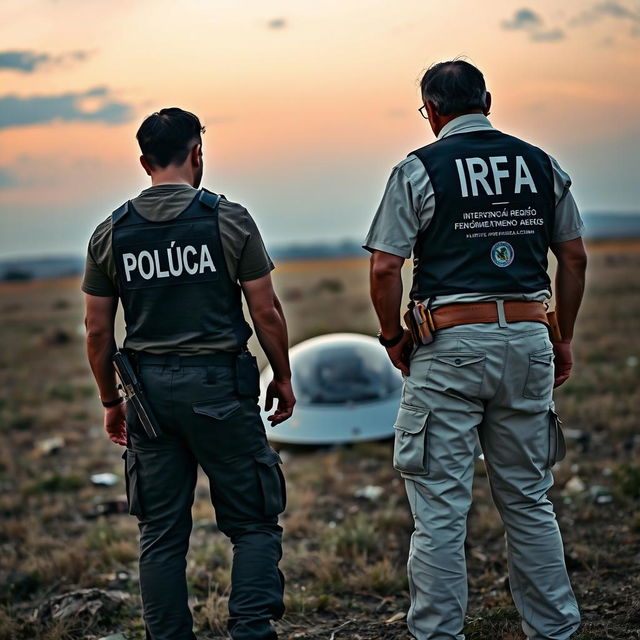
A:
[245,255]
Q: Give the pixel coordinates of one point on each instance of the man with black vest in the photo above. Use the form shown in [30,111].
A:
[178,258]
[479,210]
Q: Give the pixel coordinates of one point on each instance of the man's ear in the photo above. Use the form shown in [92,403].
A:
[487,102]
[145,165]
[196,155]
[431,110]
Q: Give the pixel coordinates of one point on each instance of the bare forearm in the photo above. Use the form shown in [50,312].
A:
[570,279]
[386,295]
[100,349]
[271,330]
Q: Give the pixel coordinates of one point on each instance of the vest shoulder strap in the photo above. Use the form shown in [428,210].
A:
[209,199]
[120,213]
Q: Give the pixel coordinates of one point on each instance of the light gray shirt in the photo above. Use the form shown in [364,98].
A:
[408,205]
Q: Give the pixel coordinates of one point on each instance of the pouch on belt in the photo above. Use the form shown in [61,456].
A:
[247,375]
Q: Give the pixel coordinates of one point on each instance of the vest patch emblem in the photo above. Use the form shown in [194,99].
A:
[502,254]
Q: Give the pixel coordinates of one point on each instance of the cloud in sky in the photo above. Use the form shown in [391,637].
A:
[523,19]
[30,61]
[609,9]
[16,111]
[529,21]
[277,23]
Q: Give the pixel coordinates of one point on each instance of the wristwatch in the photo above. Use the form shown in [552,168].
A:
[392,342]
[112,403]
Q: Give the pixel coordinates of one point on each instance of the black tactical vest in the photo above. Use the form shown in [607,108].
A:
[173,279]
[493,219]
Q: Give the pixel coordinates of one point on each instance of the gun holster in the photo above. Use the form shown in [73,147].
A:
[420,323]
[247,375]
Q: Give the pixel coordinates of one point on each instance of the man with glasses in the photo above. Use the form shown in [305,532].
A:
[479,210]
[178,258]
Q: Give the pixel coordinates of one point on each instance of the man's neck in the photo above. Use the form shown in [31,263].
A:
[170,176]
[445,120]
[156,183]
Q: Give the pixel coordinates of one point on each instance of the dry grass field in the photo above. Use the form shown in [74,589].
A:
[344,555]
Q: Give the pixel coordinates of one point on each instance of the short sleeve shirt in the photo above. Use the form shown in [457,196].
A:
[408,205]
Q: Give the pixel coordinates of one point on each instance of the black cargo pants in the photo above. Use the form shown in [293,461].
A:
[205,422]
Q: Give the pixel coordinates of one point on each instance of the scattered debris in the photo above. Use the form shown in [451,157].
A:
[115,636]
[396,617]
[119,580]
[478,555]
[105,479]
[338,628]
[82,603]
[370,492]
[600,495]
[574,486]
[49,446]
[109,507]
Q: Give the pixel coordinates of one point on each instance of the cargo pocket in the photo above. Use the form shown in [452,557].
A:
[131,480]
[410,448]
[271,480]
[557,446]
[462,372]
[539,382]
[216,409]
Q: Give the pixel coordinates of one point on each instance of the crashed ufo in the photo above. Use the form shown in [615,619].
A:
[346,390]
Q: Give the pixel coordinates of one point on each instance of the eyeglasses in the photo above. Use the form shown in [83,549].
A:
[423,112]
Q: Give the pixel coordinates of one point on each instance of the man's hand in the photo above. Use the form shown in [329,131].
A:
[286,401]
[563,362]
[115,424]
[401,353]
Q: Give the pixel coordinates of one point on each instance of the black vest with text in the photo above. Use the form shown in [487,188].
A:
[493,218]
[173,279]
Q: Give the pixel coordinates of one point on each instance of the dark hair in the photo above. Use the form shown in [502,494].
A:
[165,136]
[454,87]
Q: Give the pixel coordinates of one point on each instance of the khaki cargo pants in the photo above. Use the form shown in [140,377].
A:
[495,381]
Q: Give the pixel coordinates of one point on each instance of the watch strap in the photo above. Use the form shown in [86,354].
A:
[112,403]
[392,342]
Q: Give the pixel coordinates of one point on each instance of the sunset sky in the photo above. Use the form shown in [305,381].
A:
[307,105]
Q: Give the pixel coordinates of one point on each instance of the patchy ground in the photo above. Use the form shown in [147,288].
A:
[344,555]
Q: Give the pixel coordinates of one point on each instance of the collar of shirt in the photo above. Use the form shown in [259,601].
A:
[166,187]
[465,124]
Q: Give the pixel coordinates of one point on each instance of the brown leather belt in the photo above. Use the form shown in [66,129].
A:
[452,315]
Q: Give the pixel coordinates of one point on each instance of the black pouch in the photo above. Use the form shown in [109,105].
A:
[247,375]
